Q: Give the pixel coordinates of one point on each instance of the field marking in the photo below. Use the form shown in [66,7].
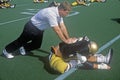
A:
[66,74]
[108,44]
[13,21]
[73,13]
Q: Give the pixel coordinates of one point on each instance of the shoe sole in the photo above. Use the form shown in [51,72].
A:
[111,54]
[9,56]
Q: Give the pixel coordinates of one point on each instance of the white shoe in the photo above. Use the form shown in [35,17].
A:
[7,55]
[45,1]
[109,56]
[87,4]
[13,6]
[103,66]
[3,7]
[22,51]
[103,0]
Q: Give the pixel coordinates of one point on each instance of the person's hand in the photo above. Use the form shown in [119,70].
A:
[71,40]
[81,58]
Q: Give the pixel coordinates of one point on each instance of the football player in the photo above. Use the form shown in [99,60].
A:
[85,2]
[6,4]
[97,0]
[80,2]
[66,56]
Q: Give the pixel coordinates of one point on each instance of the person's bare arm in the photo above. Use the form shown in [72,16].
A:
[60,33]
[64,30]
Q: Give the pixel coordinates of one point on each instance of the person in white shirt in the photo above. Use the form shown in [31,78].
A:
[32,35]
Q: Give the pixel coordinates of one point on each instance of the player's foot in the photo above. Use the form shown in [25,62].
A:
[103,66]
[7,55]
[102,0]
[22,51]
[3,7]
[87,4]
[13,6]
[46,1]
[109,56]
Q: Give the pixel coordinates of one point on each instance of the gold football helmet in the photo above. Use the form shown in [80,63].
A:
[93,47]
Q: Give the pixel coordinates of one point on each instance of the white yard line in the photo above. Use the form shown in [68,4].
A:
[66,74]
[13,21]
[108,44]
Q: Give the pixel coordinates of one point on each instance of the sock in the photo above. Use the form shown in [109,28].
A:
[100,58]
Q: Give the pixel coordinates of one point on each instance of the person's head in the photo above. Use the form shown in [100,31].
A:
[93,47]
[64,8]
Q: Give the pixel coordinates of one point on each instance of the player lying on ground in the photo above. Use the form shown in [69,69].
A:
[97,0]
[79,2]
[85,2]
[66,56]
[6,4]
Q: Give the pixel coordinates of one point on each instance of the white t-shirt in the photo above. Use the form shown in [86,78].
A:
[47,17]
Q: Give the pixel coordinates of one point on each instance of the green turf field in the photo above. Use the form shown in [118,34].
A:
[94,21]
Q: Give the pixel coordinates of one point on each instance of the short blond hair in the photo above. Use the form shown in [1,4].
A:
[65,5]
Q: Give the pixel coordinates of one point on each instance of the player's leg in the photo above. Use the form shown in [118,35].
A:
[16,44]
[19,42]
[90,65]
[58,64]
[36,41]
[101,66]
[102,59]
[74,3]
